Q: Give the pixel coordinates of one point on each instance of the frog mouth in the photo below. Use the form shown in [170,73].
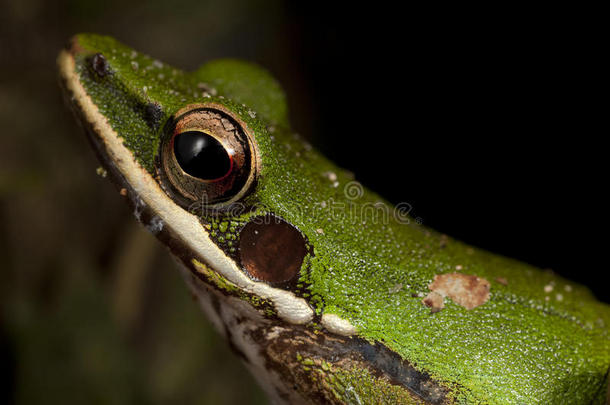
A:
[152,205]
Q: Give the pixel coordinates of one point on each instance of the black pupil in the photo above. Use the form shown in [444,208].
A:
[201,155]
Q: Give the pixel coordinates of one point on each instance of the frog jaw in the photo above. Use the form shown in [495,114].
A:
[146,192]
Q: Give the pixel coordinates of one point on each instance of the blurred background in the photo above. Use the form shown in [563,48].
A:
[484,120]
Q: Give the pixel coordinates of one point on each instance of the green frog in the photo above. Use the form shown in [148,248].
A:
[327,292]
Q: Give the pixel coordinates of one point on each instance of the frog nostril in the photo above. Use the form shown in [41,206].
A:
[153,113]
[99,64]
[271,250]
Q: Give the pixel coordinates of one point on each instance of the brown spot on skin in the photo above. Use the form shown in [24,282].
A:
[271,250]
[435,301]
[466,290]
[502,280]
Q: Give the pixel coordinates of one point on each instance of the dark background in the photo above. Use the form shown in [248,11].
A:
[485,120]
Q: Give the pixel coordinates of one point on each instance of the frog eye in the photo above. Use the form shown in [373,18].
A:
[206,156]
[202,156]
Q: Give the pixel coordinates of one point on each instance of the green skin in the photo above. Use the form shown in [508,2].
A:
[526,344]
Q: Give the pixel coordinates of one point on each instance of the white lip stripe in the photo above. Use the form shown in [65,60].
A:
[338,325]
[183,224]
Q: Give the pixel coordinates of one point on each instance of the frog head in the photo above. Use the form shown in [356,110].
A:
[316,281]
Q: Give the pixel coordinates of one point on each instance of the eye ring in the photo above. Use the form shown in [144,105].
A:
[207,156]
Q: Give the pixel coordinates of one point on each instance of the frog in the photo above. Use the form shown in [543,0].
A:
[325,290]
